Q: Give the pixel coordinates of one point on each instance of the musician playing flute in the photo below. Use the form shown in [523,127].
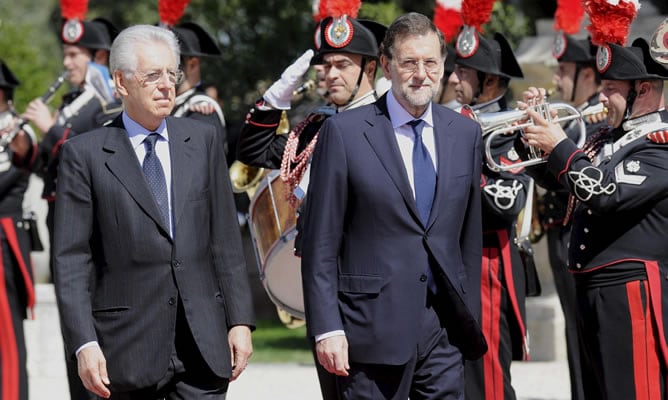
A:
[483,69]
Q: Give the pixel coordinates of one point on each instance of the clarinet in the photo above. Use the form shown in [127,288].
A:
[7,138]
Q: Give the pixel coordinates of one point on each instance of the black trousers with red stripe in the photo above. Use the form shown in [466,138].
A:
[557,248]
[501,321]
[13,372]
[620,342]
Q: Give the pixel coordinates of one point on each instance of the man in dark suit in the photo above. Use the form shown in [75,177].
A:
[149,270]
[392,260]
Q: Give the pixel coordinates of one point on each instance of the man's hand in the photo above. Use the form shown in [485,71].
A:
[279,93]
[203,108]
[93,371]
[20,145]
[333,354]
[241,348]
[543,134]
[39,114]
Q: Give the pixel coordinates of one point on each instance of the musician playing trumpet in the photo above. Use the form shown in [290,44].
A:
[483,69]
[577,82]
[619,212]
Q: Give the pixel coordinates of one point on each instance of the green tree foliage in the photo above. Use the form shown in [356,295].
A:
[29,48]
[382,12]
[506,20]
[258,38]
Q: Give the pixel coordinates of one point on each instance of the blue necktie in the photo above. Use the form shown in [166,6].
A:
[155,177]
[424,174]
[424,179]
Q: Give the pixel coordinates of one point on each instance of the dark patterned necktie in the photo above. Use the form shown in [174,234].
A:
[424,175]
[155,176]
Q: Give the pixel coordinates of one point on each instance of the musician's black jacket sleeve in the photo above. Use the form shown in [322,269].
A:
[258,144]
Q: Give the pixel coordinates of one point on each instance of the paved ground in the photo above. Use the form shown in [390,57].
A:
[532,381]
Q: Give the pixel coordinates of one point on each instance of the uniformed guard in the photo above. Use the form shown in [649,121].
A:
[348,49]
[191,99]
[620,213]
[483,69]
[17,293]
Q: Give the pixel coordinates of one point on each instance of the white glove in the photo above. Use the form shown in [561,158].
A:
[279,93]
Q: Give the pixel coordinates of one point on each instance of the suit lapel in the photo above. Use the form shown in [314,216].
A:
[380,136]
[181,153]
[123,164]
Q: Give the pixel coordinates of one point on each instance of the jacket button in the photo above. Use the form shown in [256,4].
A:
[423,278]
[171,301]
[177,264]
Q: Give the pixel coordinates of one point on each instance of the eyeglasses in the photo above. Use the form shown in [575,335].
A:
[153,77]
[411,66]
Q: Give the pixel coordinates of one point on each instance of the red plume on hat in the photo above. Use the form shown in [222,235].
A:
[568,16]
[171,11]
[73,9]
[319,10]
[448,17]
[339,8]
[610,20]
[477,13]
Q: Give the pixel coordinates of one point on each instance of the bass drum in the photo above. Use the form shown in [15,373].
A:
[272,222]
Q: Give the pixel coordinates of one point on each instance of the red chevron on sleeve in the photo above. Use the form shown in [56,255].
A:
[660,136]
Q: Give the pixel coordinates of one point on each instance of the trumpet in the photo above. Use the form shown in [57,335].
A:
[7,138]
[503,123]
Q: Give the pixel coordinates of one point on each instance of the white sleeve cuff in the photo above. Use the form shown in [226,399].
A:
[83,346]
[326,335]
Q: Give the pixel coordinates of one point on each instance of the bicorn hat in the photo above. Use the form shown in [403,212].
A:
[195,41]
[7,78]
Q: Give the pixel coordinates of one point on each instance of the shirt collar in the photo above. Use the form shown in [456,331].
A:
[399,116]
[138,133]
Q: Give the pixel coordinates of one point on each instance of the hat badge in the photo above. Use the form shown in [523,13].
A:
[603,58]
[559,45]
[339,32]
[467,42]
[658,47]
[72,31]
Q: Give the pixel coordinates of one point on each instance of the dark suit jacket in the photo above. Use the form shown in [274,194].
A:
[365,248]
[118,273]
